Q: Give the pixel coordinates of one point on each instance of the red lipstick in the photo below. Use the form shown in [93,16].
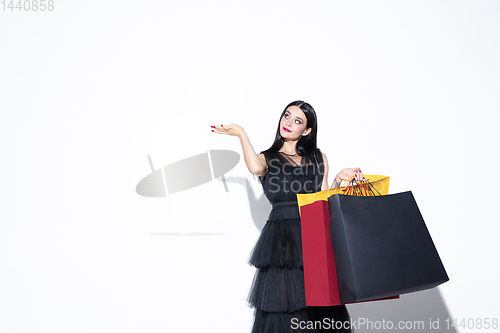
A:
[286,129]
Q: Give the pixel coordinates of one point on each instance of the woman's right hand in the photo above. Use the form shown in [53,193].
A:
[229,129]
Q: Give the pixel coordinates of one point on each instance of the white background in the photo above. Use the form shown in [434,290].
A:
[408,89]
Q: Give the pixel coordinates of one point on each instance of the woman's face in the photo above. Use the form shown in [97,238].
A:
[293,123]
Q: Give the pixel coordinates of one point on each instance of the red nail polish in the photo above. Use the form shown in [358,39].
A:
[212,130]
[212,126]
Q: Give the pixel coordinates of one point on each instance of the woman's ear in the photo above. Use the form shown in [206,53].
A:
[307,131]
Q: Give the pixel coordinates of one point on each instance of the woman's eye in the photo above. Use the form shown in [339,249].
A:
[296,121]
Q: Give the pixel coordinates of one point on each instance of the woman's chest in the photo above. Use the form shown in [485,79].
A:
[295,179]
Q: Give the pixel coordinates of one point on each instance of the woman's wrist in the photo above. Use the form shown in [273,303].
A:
[338,178]
[241,133]
[336,181]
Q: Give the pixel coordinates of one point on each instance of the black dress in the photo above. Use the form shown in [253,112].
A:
[277,292]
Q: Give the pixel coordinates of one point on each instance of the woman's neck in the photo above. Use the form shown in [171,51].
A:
[289,147]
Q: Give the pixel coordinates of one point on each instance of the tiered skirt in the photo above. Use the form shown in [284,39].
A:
[277,293]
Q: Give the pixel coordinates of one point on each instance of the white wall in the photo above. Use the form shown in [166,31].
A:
[87,91]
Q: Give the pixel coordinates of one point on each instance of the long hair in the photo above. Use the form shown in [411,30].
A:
[306,144]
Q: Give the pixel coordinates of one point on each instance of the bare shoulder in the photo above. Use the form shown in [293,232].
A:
[325,163]
[325,160]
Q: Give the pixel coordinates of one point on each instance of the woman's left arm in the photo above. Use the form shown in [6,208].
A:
[342,175]
[324,185]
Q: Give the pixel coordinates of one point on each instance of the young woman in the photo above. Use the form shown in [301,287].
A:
[293,164]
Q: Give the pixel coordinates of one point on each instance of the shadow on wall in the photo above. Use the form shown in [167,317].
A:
[259,206]
[422,311]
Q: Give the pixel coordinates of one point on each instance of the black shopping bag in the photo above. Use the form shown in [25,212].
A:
[382,247]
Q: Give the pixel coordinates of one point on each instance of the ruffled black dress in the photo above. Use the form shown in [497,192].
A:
[277,292]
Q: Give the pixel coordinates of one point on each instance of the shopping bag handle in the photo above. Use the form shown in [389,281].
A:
[353,189]
[373,188]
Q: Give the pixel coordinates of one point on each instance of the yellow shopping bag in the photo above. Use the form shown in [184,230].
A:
[380,183]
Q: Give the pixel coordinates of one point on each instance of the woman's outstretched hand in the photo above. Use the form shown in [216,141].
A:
[229,129]
[349,172]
